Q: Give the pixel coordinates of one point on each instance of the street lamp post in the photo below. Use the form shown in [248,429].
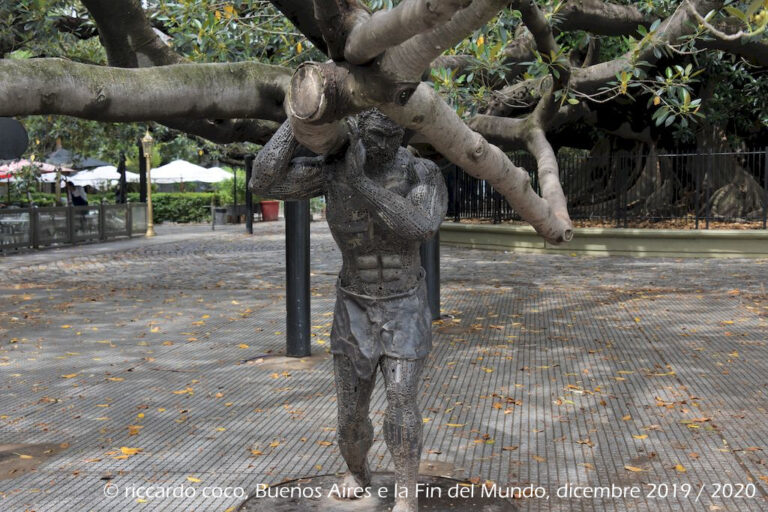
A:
[146,144]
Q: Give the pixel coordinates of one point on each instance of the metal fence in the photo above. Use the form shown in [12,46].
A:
[624,189]
[22,228]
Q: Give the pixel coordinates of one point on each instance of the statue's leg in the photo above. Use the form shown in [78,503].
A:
[403,426]
[355,431]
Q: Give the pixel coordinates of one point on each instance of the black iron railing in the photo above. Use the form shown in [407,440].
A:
[22,228]
[626,189]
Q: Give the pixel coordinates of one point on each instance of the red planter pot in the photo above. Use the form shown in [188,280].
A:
[269,210]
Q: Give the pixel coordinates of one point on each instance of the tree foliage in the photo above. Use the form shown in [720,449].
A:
[528,74]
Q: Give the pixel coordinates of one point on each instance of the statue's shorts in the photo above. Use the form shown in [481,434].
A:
[366,328]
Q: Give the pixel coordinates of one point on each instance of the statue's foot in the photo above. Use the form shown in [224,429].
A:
[352,487]
[406,505]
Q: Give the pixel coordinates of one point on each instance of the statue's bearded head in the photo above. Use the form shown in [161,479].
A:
[380,135]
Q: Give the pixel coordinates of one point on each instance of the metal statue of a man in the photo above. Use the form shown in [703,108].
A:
[382,202]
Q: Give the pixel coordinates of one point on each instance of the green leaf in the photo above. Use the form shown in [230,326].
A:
[736,13]
[754,7]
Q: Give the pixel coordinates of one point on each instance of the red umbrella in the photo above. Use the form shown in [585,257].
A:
[8,170]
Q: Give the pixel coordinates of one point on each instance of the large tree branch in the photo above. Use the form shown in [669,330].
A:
[511,133]
[749,48]
[225,131]
[594,16]
[131,42]
[670,31]
[732,40]
[600,18]
[436,121]
[385,29]
[128,36]
[408,60]
[588,80]
[183,91]
[302,15]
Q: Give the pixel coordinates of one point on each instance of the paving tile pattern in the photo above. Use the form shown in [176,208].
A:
[547,370]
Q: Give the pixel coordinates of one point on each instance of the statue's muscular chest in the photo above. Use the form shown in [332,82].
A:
[350,217]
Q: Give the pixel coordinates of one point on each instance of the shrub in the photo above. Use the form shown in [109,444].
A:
[224,188]
[180,207]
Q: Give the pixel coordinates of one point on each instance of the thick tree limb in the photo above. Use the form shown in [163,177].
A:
[131,42]
[436,121]
[184,91]
[385,29]
[302,15]
[408,60]
[539,27]
[751,49]
[335,19]
[600,18]
[510,133]
[225,131]
[518,51]
[128,36]
[548,170]
[733,41]
[588,80]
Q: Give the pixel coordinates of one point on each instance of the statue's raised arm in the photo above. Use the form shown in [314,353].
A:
[277,174]
[415,216]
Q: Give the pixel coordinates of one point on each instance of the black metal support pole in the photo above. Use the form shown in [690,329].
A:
[708,177]
[456,196]
[234,197]
[430,260]
[123,193]
[248,195]
[297,278]
[699,169]
[142,175]
[765,187]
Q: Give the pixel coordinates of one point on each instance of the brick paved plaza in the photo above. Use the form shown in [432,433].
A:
[158,362]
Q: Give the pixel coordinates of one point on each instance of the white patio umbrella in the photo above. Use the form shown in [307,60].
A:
[180,171]
[102,176]
[217,174]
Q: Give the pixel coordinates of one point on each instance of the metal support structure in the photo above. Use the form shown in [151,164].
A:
[765,188]
[128,219]
[430,260]
[102,223]
[234,197]
[708,185]
[248,195]
[122,185]
[297,278]
[456,197]
[142,175]
[213,214]
[496,207]
[34,220]
[697,189]
[147,143]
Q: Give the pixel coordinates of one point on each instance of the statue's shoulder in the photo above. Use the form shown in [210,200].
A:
[420,169]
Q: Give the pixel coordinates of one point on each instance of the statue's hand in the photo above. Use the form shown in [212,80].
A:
[354,161]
